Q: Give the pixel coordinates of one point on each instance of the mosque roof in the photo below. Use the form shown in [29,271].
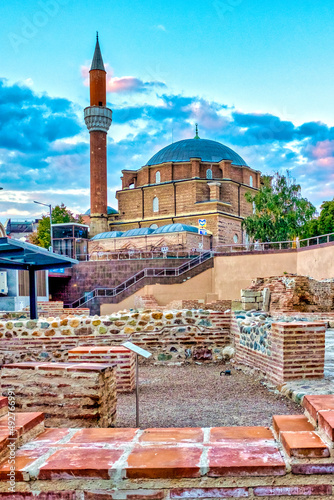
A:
[109,234]
[169,228]
[139,231]
[208,151]
[111,211]
[175,228]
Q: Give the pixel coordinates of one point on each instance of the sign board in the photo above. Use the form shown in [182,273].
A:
[202,222]
[203,232]
[200,246]
[164,249]
[138,350]
[57,271]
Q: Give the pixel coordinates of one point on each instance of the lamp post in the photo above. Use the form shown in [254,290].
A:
[50,208]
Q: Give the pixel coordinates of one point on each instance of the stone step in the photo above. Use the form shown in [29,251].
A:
[17,429]
[315,403]
[326,423]
[304,444]
[291,423]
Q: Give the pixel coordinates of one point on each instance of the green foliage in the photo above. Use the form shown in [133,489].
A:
[324,224]
[280,212]
[60,215]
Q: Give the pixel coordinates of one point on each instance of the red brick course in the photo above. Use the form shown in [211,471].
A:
[122,358]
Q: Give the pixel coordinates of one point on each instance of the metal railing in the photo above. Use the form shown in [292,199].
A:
[136,255]
[276,245]
[144,273]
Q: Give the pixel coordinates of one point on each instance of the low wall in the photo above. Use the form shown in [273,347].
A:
[283,351]
[70,395]
[171,336]
[120,357]
[291,461]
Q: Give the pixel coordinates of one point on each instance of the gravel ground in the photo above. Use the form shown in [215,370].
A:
[197,396]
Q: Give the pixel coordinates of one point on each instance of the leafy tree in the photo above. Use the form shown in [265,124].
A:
[324,224]
[280,212]
[60,215]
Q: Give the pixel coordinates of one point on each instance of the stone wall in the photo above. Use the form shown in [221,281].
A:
[70,395]
[283,351]
[171,336]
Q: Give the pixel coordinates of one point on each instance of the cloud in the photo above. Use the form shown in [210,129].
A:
[160,27]
[124,84]
[44,147]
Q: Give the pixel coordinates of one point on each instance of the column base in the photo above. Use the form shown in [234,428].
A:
[98,225]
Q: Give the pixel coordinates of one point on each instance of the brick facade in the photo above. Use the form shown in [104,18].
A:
[185,194]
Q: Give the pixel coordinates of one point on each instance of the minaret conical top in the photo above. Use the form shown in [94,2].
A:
[97,62]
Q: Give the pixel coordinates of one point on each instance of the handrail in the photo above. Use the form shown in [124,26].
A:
[277,245]
[147,272]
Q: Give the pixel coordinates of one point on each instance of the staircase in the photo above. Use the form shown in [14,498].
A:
[144,277]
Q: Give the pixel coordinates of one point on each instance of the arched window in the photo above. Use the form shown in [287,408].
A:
[157,177]
[251,181]
[155,204]
[209,173]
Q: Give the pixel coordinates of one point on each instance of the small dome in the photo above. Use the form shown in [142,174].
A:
[111,211]
[140,231]
[208,151]
[175,228]
[105,236]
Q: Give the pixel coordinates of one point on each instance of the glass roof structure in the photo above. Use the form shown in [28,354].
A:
[208,151]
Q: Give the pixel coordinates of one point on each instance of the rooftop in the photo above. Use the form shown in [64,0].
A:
[206,150]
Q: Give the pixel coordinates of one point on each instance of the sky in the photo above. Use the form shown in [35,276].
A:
[256,75]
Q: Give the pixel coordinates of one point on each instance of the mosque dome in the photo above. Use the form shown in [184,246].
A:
[208,151]
[111,211]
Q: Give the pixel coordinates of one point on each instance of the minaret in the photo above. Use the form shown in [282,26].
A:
[98,120]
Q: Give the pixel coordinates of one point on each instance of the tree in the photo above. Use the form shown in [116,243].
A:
[280,212]
[60,215]
[324,224]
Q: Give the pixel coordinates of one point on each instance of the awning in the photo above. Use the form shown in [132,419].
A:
[15,254]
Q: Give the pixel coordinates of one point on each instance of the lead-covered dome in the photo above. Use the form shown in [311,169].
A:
[209,151]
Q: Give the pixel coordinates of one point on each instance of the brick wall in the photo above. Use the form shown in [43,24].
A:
[297,293]
[70,395]
[120,357]
[295,351]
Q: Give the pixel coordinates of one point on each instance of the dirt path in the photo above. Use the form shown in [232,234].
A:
[196,395]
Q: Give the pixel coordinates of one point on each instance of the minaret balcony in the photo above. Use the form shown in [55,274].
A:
[98,118]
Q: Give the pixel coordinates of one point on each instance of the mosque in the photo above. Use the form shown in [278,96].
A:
[189,184]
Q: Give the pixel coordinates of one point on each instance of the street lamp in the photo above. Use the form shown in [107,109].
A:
[50,208]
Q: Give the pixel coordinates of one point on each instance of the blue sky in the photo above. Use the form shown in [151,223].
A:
[256,75]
